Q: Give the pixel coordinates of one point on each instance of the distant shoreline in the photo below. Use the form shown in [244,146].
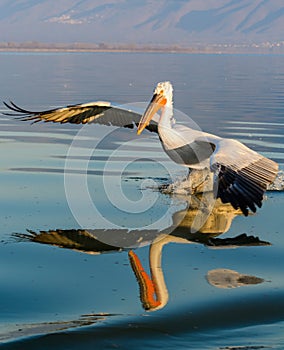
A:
[265,48]
[205,52]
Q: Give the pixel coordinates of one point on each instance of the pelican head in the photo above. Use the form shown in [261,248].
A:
[163,95]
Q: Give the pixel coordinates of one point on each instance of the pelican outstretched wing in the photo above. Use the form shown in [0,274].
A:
[241,174]
[99,112]
[75,239]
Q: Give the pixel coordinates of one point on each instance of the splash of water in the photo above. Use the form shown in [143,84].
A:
[278,183]
[182,185]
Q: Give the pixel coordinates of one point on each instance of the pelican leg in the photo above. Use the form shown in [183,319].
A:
[193,183]
[200,181]
[197,181]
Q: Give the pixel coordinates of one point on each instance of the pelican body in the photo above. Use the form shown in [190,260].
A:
[240,176]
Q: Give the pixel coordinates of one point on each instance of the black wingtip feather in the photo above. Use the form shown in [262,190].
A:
[245,188]
[19,112]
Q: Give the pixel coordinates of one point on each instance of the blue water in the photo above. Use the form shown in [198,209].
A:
[67,278]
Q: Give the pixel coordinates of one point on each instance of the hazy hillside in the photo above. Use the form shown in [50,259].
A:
[138,21]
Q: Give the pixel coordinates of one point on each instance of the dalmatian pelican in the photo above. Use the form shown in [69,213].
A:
[240,176]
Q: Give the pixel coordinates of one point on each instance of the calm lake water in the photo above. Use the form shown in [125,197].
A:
[70,195]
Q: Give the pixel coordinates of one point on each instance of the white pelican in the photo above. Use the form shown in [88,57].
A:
[240,175]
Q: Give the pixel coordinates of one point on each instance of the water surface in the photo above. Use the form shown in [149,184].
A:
[67,283]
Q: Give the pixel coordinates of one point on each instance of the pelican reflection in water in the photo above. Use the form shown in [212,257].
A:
[153,290]
[237,174]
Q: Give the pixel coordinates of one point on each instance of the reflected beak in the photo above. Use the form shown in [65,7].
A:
[148,294]
[158,101]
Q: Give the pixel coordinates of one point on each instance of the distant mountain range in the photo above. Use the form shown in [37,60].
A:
[142,21]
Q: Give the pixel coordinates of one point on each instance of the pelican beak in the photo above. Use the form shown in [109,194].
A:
[158,101]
